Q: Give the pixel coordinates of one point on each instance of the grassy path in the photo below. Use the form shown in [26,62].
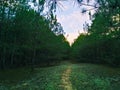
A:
[63,77]
[66,83]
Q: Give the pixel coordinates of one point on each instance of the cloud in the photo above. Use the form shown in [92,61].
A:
[72,19]
[73,24]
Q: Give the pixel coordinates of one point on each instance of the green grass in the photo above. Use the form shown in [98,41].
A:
[15,75]
[48,78]
[83,77]
[95,77]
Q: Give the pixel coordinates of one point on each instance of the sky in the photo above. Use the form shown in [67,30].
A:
[69,15]
[72,20]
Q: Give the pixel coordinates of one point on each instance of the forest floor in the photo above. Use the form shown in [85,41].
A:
[66,76]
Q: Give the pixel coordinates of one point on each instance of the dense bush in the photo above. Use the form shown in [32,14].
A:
[26,38]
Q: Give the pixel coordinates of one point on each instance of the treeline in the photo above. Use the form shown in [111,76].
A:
[102,42]
[27,38]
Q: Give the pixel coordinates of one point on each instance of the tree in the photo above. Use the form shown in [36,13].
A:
[26,38]
[101,44]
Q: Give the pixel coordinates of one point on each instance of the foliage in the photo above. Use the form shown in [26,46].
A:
[94,77]
[48,78]
[101,43]
[26,38]
[83,76]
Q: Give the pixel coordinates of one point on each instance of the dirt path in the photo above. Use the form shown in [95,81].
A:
[66,83]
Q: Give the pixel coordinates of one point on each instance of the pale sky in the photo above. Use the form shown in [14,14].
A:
[70,16]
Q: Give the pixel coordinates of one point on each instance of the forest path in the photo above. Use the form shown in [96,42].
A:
[66,83]
[66,76]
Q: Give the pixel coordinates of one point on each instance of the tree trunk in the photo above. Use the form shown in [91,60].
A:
[12,57]
[3,58]
[13,51]
[33,60]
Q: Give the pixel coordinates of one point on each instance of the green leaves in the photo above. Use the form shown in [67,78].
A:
[98,45]
[27,39]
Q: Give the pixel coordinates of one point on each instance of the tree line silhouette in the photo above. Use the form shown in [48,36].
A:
[29,38]
[101,43]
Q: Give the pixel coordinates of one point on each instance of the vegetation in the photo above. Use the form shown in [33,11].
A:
[48,78]
[82,76]
[30,38]
[101,43]
[27,38]
[94,77]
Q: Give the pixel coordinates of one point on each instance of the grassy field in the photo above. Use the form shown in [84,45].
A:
[63,77]
[95,77]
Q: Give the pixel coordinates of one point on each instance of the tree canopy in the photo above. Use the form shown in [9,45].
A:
[101,43]
[27,38]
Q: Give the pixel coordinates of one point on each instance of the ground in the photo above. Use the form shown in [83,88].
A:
[66,76]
